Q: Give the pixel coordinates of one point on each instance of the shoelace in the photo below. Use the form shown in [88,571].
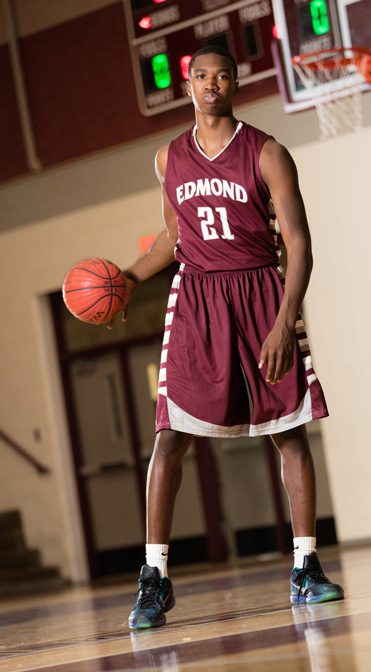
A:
[147,593]
[315,572]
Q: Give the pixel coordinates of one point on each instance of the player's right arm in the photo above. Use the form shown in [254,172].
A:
[161,253]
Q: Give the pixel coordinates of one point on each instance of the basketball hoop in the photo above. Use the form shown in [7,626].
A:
[335,79]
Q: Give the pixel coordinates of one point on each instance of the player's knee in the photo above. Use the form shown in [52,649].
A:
[292,440]
[171,444]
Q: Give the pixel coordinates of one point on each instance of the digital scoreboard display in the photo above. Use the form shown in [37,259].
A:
[304,26]
[163,35]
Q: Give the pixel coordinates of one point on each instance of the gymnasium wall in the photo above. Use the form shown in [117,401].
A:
[336,183]
[77,210]
[77,73]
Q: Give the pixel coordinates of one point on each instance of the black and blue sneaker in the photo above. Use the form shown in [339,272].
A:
[155,597]
[309,585]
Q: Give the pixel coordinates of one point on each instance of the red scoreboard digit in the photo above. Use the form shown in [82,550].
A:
[163,34]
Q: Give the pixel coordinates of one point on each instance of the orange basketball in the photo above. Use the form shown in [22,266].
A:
[94,290]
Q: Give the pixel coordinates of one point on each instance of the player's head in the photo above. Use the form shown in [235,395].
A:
[214,49]
[212,82]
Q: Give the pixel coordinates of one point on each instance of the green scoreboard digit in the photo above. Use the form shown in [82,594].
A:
[320,18]
[312,18]
[161,71]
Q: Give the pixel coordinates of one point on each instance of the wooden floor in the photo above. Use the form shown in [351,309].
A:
[227,620]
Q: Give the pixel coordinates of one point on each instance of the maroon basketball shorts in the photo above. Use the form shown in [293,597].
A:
[210,383]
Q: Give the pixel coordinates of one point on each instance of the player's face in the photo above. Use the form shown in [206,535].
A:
[212,85]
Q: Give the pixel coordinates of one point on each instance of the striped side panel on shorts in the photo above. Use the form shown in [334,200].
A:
[302,339]
[173,296]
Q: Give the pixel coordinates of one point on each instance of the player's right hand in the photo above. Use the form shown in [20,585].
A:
[130,288]
[278,353]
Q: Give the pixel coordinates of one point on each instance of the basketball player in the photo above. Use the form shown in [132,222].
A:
[235,358]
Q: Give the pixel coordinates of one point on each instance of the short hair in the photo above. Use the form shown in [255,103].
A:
[214,49]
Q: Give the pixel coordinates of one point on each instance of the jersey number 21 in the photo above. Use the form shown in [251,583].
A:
[207,221]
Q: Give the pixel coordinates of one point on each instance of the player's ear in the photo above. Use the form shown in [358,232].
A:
[188,88]
[236,87]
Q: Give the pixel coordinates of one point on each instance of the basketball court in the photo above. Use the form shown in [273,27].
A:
[242,621]
[92,88]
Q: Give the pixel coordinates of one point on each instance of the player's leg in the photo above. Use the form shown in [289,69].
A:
[298,478]
[155,595]
[308,582]
[163,482]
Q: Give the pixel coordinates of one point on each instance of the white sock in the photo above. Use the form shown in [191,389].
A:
[303,546]
[156,556]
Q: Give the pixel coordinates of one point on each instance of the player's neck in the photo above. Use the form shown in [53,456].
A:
[214,133]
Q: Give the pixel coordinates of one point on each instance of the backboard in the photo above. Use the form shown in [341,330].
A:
[303,26]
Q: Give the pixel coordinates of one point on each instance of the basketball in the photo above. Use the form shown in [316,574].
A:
[94,290]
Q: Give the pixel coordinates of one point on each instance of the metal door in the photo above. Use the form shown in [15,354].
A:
[107,464]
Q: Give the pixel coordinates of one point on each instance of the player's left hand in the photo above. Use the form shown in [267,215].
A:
[278,353]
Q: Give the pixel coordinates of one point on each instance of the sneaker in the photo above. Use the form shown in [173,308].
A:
[155,596]
[310,585]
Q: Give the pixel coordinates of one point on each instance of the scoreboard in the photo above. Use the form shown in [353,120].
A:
[304,26]
[163,34]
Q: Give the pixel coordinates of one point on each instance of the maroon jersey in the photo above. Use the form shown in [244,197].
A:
[221,203]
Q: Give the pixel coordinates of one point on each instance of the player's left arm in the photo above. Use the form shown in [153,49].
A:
[280,175]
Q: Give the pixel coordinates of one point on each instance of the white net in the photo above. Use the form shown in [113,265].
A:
[334,81]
